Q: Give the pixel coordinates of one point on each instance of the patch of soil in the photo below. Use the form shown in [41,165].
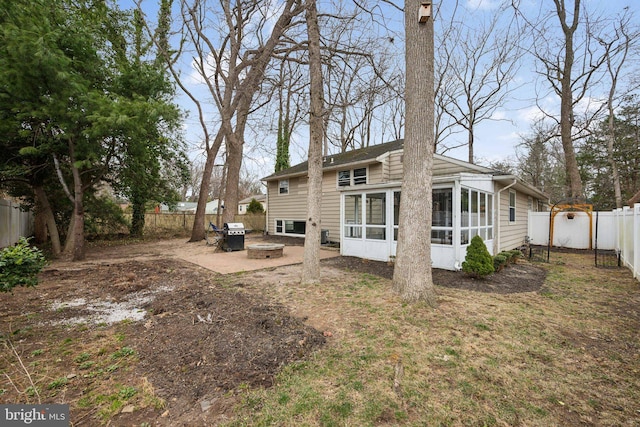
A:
[200,341]
[516,278]
[208,340]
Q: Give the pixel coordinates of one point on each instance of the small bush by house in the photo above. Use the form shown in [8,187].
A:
[478,262]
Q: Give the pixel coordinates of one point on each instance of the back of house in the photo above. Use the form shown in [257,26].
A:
[361,192]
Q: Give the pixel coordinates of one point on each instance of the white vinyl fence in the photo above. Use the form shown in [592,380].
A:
[14,223]
[617,230]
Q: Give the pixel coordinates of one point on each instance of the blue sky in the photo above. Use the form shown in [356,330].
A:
[495,139]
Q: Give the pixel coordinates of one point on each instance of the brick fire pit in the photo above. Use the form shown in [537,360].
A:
[265,250]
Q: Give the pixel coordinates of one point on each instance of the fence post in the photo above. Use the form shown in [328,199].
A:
[636,241]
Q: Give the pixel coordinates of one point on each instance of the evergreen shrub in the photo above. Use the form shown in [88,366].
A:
[255,207]
[478,262]
[499,261]
[20,265]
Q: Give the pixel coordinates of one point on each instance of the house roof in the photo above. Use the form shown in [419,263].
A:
[258,197]
[372,153]
[334,160]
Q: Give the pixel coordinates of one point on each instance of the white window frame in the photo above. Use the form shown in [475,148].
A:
[283,227]
[352,177]
[484,223]
[282,187]
[515,202]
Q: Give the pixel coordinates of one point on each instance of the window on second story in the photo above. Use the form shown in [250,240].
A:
[352,177]
[283,186]
[344,178]
[359,176]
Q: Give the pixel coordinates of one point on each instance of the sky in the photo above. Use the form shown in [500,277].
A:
[496,139]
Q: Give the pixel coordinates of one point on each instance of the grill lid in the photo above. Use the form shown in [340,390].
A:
[233,229]
[234,226]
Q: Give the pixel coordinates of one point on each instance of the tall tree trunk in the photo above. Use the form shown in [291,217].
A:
[197,232]
[45,211]
[78,215]
[234,164]
[137,217]
[470,141]
[574,182]
[311,265]
[615,174]
[412,277]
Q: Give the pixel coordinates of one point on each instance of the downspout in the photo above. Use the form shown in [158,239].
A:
[265,232]
[496,246]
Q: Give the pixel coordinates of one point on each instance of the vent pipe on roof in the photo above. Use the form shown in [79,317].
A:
[332,160]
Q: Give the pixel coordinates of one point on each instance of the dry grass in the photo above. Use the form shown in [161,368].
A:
[568,355]
[90,372]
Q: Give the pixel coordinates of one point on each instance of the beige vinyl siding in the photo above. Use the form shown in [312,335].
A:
[393,168]
[375,175]
[293,206]
[394,162]
[331,205]
[512,233]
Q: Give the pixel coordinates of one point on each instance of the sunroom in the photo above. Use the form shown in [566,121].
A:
[463,206]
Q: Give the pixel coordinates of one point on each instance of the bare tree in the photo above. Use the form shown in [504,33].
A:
[311,266]
[229,46]
[570,61]
[476,66]
[540,160]
[617,49]
[412,277]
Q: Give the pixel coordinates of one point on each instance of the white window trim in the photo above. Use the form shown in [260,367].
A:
[480,227]
[283,232]
[351,177]
[515,206]
[280,181]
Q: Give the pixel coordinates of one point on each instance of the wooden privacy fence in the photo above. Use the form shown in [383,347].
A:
[14,223]
[617,230]
[183,221]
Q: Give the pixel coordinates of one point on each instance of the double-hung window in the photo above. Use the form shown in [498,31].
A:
[283,186]
[352,177]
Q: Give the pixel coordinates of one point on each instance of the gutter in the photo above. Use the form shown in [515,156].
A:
[496,247]
[265,232]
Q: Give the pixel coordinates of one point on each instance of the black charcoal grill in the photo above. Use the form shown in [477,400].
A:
[233,236]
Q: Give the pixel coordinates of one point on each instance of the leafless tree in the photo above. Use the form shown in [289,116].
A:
[476,67]
[624,38]
[229,45]
[361,76]
[412,277]
[570,61]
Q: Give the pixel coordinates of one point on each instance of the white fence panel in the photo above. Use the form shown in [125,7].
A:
[539,228]
[571,230]
[604,223]
[574,233]
[14,223]
[636,241]
[617,230]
